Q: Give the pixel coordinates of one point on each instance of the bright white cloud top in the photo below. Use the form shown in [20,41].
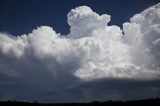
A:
[92,50]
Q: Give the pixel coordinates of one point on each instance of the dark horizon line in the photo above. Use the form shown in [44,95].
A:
[96,101]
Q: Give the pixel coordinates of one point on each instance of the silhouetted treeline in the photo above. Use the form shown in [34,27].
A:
[147,102]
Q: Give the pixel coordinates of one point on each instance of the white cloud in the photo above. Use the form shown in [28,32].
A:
[83,21]
[100,51]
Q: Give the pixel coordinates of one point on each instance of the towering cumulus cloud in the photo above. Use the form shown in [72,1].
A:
[44,61]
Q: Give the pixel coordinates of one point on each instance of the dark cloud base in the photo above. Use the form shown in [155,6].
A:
[101,90]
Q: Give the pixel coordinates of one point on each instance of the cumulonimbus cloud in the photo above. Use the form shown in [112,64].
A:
[92,50]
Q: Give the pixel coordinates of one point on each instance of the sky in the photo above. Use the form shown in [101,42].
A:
[19,17]
[79,50]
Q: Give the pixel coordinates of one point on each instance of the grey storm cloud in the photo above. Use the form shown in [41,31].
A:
[93,62]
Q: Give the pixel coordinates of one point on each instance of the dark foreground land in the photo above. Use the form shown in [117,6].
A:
[147,102]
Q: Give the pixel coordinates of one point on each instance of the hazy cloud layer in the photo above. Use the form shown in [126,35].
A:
[46,63]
